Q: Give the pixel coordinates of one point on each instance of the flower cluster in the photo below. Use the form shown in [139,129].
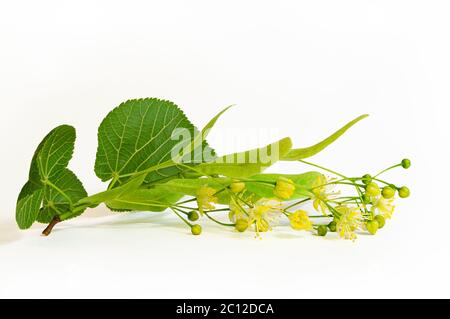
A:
[367,207]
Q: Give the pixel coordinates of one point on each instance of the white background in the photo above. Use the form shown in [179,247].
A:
[296,68]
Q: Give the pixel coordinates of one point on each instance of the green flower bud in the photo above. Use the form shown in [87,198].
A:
[367,179]
[372,226]
[241,225]
[366,199]
[237,187]
[406,163]
[372,189]
[388,192]
[193,216]
[322,230]
[403,192]
[380,220]
[332,226]
[196,230]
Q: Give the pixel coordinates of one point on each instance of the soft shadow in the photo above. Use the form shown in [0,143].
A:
[9,232]
[135,220]
[284,235]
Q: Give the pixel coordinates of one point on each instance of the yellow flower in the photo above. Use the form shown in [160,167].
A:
[300,220]
[265,214]
[322,194]
[236,212]
[349,221]
[284,188]
[206,198]
[383,206]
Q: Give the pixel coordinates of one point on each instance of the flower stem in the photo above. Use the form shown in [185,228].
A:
[47,231]
[381,181]
[187,201]
[219,210]
[297,203]
[175,211]
[387,169]
[325,169]
[218,222]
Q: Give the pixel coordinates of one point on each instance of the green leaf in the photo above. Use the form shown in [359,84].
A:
[200,138]
[302,153]
[159,197]
[190,187]
[154,200]
[28,189]
[303,183]
[34,176]
[213,121]
[56,152]
[136,136]
[117,198]
[27,209]
[55,203]
[111,194]
[239,165]
[47,167]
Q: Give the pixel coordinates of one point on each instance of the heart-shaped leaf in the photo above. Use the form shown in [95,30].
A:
[138,135]
[35,176]
[51,188]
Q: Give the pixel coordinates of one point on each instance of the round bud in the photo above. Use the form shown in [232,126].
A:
[380,220]
[372,226]
[332,226]
[193,216]
[366,199]
[241,225]
[406,163]
[237,187]
[196,230]
[372,189]
[322,230]
[366,179]
[403,192]
[388,192]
